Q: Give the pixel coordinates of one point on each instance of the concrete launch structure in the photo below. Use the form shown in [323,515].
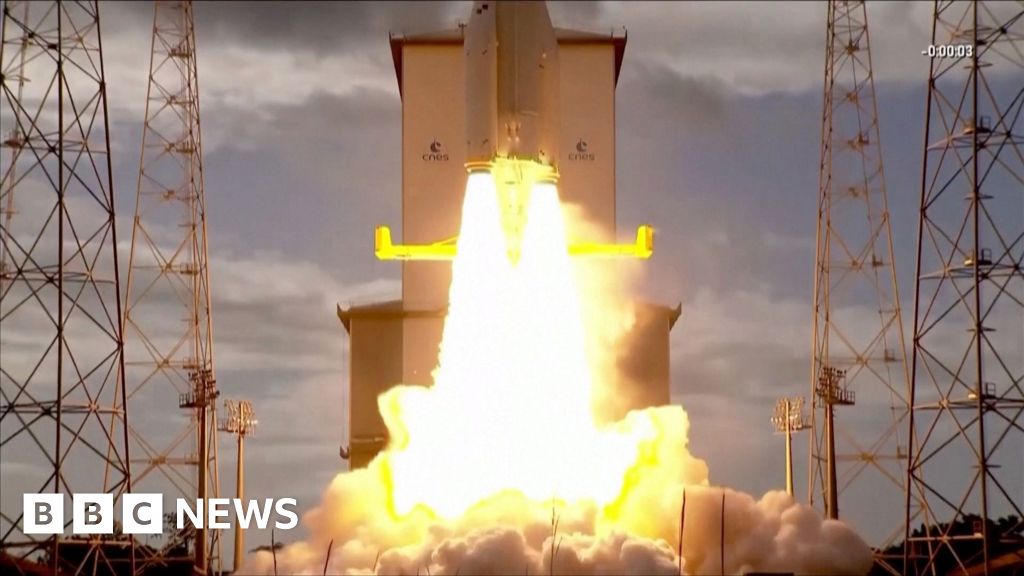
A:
[508,85]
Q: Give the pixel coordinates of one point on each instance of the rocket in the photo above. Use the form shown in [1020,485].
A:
[513,127]
[512,93]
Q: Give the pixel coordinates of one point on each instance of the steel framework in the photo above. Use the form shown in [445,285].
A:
[968,357]
[63,415]
[171,363]
[857,320]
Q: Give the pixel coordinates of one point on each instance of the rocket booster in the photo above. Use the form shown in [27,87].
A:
[511,84]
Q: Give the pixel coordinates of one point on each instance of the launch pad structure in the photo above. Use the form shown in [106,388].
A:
[858,352]
[59,261]
[397,341]
[967,395]
[62,394]
[172,364]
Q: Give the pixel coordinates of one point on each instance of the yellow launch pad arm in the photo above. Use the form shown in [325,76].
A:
[643,248]
[385,250]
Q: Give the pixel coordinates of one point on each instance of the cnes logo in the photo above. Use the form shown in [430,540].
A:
[143,513]
[582,152]
[436,153]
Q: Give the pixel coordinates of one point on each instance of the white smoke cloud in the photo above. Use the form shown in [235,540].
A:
[638,534]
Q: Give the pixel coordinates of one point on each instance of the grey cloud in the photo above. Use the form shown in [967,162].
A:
[333,172]
[747,371]
[326,168]
[319,27]
[582,15]
[700,103]
[323,27]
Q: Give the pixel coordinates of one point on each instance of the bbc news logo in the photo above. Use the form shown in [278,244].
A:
[143,513]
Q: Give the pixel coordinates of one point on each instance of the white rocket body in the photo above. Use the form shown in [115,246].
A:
[511,83]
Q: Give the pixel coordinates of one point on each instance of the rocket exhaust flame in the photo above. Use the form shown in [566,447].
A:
[512,356]
[478,462]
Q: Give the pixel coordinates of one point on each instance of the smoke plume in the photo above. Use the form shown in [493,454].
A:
[505,466]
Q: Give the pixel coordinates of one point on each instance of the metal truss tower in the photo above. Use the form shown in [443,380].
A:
[968,357]
[63,414]
[168,326]
[857,322]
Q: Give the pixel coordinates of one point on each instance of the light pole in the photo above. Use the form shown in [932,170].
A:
[832,392]
[789,418]
[241,421]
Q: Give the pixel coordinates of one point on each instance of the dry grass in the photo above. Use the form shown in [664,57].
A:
[682,525]
[273,550]
[556,542]
[328,559]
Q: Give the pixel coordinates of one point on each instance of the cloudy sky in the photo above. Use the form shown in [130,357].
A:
[719,113]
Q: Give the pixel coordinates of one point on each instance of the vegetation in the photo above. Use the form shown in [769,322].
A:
[1006,537]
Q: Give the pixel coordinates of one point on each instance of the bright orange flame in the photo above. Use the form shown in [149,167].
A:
[506,434]
[510,405]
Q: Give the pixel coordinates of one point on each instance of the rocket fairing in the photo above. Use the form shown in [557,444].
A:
[512,92]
